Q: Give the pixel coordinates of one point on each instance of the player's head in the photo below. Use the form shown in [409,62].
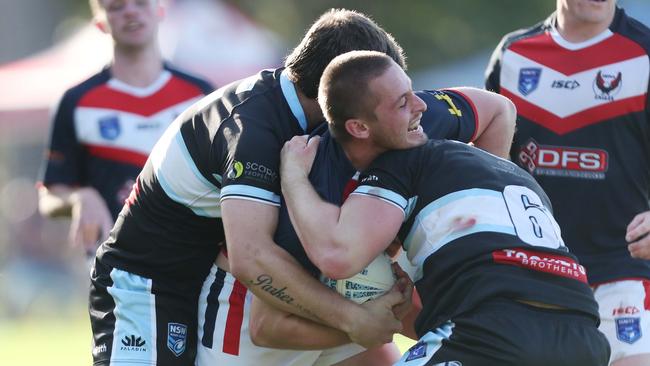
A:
[581,12]
[336,32]
[133,24]
[366,95]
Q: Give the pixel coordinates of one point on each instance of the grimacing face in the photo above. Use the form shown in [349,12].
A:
[398,111]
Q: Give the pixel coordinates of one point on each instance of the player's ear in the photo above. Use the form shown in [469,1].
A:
[357,128]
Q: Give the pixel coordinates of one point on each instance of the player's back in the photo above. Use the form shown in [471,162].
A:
[509,247]
[171,225]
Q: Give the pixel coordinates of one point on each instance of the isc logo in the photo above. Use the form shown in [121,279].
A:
[563,161]
[565,84]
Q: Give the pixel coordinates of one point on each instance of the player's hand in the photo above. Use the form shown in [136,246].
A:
[91,221]
[637,236]
[377,325]
[405,286]
[297,156]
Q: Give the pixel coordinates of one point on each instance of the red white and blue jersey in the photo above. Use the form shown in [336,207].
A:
[104,129]
[583,132]
[225,146]
[514,248]
[449,115]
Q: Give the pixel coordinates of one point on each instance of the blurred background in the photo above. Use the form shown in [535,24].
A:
[47,46]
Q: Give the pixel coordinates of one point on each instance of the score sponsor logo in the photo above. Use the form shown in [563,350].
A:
[563,161]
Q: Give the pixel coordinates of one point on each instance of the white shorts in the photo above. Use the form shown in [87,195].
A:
[223,334]
[625,316]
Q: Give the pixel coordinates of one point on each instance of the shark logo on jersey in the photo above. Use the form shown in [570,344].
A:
[109,127]
[529,79]
[176,335]
[628,330]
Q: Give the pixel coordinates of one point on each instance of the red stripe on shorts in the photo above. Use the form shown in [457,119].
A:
[234,319]
[646,286]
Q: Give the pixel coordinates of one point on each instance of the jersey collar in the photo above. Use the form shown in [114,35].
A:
[289,92]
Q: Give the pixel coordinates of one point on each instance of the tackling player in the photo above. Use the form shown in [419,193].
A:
[478,228]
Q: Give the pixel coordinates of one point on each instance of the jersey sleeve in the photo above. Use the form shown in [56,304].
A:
[389,178]
[251,167]
[64,153]
[449,115]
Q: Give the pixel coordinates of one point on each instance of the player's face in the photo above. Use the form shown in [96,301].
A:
[398,111]
[587,11]
[132,23]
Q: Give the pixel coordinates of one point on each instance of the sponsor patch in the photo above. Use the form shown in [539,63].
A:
[563,161]
[542,262]
[419,350]
[176,336]
[529,79]
[109,127]
[133,343]
[628,330]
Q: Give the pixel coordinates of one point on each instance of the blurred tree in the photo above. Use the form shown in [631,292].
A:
[431,32]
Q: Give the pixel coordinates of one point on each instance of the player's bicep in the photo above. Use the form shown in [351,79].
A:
[250,168]
[247,226]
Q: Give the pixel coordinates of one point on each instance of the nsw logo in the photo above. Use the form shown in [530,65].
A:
[109,127]
[628,330]
[419,350]
[176,336]
[529,79]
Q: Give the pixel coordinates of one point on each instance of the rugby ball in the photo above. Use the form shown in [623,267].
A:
[371,282]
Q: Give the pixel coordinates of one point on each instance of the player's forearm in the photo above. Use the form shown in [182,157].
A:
[281,281]
[276,329]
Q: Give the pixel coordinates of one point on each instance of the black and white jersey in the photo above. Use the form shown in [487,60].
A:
[449,115]
[227,145]
[514,248]
[583,131]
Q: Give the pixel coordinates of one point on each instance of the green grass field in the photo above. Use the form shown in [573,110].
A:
[64,340]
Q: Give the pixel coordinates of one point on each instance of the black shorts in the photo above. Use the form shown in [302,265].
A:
[135,320]
[504,332]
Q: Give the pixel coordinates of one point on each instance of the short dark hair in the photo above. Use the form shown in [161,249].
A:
[343,93]
[337,31]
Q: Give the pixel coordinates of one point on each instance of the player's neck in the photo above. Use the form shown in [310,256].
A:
[576,30]
[138,68]
[312,110]
[361,153]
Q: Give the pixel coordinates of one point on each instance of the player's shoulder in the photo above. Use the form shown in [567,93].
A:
[527,32]
[257,95]
[631,28]
[203,84]
[76,92]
